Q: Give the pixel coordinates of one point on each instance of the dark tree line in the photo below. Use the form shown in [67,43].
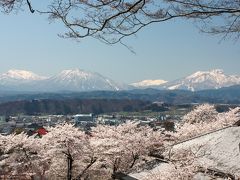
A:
[70,106]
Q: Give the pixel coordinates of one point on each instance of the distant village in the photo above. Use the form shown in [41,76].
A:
[35,125]
[157,118]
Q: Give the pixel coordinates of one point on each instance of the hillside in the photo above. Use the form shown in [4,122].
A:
[220,151]
[227,95]
[70,106]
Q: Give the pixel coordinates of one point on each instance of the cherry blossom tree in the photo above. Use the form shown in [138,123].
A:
[202,113]
[63,153]
[203,119]
[182,164]
[120,147]
[66,152]
[19,156]
[229,118]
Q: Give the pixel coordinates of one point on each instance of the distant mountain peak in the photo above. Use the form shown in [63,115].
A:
[22,75]
[67,80]
[149,83]
[74,73]
[214,72]
[82,80]
[201,80]
[219,71]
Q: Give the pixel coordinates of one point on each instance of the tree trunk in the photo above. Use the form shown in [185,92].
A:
[69,170]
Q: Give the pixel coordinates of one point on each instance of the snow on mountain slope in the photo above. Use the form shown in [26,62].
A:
[21,74]
[80,80]
[148,83]
[67,80]
[15,77]
[202,80]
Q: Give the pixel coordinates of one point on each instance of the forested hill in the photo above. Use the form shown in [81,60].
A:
[108,101]
[70,106]
[224,95]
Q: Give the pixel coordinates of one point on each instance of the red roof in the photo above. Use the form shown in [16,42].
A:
[41,131]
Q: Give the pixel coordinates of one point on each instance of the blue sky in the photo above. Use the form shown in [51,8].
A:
[166,51]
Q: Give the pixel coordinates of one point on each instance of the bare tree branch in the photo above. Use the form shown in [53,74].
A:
[110,21]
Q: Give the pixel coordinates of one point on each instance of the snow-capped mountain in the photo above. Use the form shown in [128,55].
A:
[80,80]
[15,77]
[201,80]
[67,80]
[22,74]
[148,83]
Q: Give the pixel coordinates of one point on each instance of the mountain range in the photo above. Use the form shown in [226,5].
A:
[78,80]
[203,80]
[67,80]
[200,80]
